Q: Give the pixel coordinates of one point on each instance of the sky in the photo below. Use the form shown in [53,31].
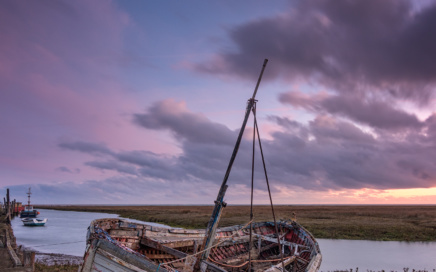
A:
[141,102]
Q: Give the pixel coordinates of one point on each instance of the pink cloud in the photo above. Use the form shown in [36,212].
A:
[58,64]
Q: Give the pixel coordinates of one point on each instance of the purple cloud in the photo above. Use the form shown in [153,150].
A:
[372,112]
[112,165]
[350,46]
[327,153]
[338,154]
[92,148]
[169,114]
[67,170]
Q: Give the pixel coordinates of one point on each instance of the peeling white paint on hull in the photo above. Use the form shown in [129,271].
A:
[119,245]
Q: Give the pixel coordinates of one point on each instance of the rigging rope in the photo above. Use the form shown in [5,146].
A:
[269,190]
[250,243]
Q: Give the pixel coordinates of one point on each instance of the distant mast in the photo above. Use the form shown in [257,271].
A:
[28,197]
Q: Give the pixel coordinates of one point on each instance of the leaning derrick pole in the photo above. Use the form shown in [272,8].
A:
[219,202]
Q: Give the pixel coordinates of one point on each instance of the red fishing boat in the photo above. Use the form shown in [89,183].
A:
[28,211]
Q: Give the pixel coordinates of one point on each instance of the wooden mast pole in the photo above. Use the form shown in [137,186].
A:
[219,202]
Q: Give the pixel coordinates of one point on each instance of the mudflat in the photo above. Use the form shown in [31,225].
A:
[361,222]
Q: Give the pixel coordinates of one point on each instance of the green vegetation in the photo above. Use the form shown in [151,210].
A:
[386,223]
[41,267]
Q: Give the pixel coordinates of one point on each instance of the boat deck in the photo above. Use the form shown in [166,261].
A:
[177,249]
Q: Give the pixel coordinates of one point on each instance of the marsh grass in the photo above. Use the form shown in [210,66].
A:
[42,267]
[385,223]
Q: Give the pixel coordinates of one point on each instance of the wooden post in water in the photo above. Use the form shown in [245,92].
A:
[29,259]
[8,201]
[8,210]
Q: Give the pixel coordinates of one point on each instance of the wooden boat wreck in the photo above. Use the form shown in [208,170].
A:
[117,245]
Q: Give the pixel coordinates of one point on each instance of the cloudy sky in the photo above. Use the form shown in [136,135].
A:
[140,102]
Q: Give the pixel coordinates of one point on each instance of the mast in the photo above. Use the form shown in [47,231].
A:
[28,197]
[219,202]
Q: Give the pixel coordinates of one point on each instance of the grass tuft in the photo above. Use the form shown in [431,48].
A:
[42,267]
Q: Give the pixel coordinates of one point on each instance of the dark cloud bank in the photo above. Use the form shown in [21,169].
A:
[369,55]
[350,46]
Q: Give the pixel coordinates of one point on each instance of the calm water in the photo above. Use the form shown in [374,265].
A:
[376,255]
[65,232]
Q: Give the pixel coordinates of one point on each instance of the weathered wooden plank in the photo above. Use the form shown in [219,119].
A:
[154,244]
[279,266]
[105,257]
[315,263]
[11,251]
[182,243]
[88,259]
[104,264]
[160,256]
[125,233]
[186,231]
[28,258]
[128,225]
[138,261]
[246,239]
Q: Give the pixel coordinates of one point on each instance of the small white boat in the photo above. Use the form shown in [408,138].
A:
[34,221]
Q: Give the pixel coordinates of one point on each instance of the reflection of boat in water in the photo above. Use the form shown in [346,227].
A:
[28,211]
[34,221]
[117,245]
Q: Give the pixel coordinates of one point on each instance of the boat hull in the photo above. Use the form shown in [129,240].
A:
[34,222]
[118,245]
[28,214]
